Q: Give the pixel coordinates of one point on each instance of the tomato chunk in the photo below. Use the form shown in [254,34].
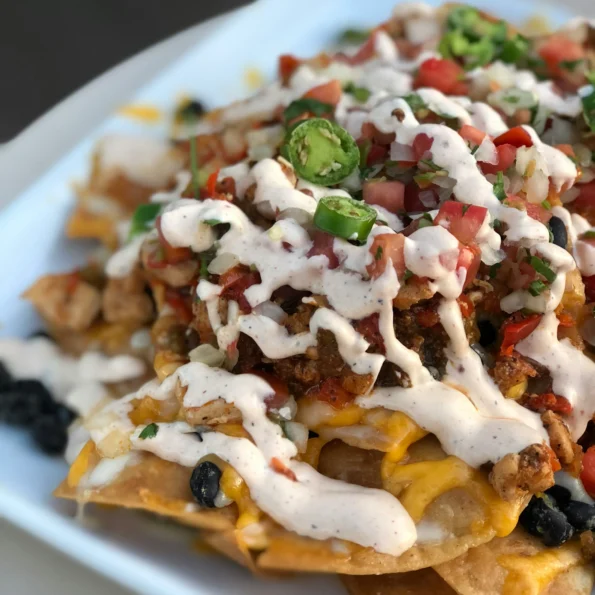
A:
[326,93]
[555,403]
[462,221]
[385,247]
[589,288]
[235,281]
[469,259]
[288,64]
[588,472]
[472,134]
[558,49]
[506,157]
[323,244]
[332,392]
[422,143]
[586,198]
[517,137]
[445,75]
[280,388]
[389,194]
[514,332]
[369,328]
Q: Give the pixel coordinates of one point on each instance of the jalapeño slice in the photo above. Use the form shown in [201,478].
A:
[345,217]
[322,152]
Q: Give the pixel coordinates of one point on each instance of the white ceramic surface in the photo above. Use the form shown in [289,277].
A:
[130,548]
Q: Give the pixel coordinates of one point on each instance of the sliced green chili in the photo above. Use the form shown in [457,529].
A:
[143,219]
[306,105]
[537,287]
[546,205]
[542,268]
[344,217]
[322,152]
[361,94]
[514,49]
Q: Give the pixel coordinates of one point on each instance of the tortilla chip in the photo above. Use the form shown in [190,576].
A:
[420,582]
[226,543]
[519,563]
[157,486]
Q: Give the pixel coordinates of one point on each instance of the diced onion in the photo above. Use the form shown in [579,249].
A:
[512,100]
[570,195]
[401,152]
[270,310]
[297,433]
[222,263]
[208,355]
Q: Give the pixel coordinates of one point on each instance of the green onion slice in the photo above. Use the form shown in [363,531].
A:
[322,152]
[360,94]
[143,219]
[499,187]
[537,288]
[542,268]
[344,217]
[149,431]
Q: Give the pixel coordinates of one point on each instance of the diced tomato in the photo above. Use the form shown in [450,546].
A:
[588,472]
[589,288]
[332,392]
[565,320]
[469,259]
[366,52]
[471,134]
[280,388]
[368,327]
[234,283]
[288,64]
[377,154]
[413,202]
[445,75]
[427,317]
[326,93]
[388,194]
[422,143]
[566,149]
[517,137]
[586,198]
[171,255]
[462,221]
[506,157]
[513,332]
[381,138]
[212,183]
[558,49]
[323,244]
[465,305]
[555,403]
[384,247]
[182,305]
[279,467]
[535,211]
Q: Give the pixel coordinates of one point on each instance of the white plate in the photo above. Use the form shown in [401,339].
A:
[145,555]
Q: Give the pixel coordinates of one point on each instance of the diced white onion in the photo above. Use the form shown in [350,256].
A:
[401,152]
[270,310]
[298,434]
[222,263]
[512,100]
[208,355]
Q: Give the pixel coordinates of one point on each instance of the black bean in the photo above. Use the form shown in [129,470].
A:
[191,110]
[561,495]
[204,483]
[25,400]
[580,515]
[487,333]
[50,434]
[543,520]
[5,377]
[63,414]
[559,233]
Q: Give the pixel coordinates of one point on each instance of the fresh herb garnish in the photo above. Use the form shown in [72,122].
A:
[494,270]
[354,36]
[542,268]
[537,287]
[589,109]
[546,205]
[570,65]
[306,105]
[378,254]
[589,235]
[415,102]
[150,431]
[408,274]
[499,190]
[514,49]
[361,94]
[143,219]
[212,222]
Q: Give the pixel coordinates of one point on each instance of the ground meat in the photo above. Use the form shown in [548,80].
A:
[357,384]
[174,275]
[527,472]
[65,301]
[299,321]
[412,293]
[250,355]
[391,375]
[568,452]
[125,300]
[330,362]
[299,373]
[510,371]
[201,323]
[588,545]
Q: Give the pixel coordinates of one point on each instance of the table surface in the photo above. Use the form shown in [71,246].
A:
[53,573]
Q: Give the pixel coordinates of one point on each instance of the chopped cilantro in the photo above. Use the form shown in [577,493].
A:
[150,431]
[589,235]
[499,187]
[589,110]
[361,94]
[408,274]
[378,254]
[415,102]
[551,235]
[354,36]
[546,205]
[537,287]
[514,49]
[494,270]
[430,164]
[571,65]
[306,104]
[542,268]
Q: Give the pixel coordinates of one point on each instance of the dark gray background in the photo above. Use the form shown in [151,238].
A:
[49,48]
